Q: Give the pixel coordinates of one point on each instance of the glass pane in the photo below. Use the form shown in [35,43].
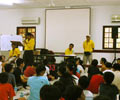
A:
[118,45]
[110,40]
[106,34]
[110,29]
[29,30]
[107,29]
[110,34]
[110,45]
[106,45]
[119,29]
[118,35]
[118,40]
[106,39]
[33,29]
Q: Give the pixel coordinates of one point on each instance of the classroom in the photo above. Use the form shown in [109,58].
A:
[55,24]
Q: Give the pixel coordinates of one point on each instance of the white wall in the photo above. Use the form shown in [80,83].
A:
[100,16]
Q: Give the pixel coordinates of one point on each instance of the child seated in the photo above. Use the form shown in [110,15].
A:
[6,89]
[108,89]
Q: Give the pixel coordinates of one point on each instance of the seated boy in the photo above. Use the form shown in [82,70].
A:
[108,89]
[6,89]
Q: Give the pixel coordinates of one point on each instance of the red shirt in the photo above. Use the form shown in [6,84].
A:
[29,71]
[95,82]
[6,90]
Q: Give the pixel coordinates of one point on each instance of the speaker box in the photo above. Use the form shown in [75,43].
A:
[114,32]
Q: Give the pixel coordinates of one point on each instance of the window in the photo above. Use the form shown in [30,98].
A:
[23,30]
[108,41]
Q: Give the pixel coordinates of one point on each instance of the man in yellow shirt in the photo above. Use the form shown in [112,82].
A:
[14,53]
[88,46]
[29,45]
[69,50]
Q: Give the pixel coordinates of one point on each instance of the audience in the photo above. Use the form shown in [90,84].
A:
[102,62]
[74,93]
[0,64]
[49,92]
[108,67]
[80,67]
[6,89]
[18,72]
[116,81]
[101,97]
[83,83]
[37,82]
[11,77]
[30,70]
[107,88]
[93,69]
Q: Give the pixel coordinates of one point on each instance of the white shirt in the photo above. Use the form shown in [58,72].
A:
[0,67]
[76,79]
[116,80]
[108,70]
[80,68]
[47,71]
[88,95]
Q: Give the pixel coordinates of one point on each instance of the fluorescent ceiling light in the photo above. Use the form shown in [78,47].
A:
[9,2]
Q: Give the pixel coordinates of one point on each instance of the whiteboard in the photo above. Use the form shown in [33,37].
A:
[5,43]
[65,26]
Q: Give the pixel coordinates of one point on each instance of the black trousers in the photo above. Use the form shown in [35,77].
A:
[28,58]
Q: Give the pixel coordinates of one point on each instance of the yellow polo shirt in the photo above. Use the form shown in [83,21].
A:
[14,52]
[88,46]
[68,51]
[29,45]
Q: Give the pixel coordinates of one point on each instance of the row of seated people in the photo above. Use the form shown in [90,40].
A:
[69,72]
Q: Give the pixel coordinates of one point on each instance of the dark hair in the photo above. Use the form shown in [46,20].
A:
[108,65]
[72,92]
[35,64]
[60,85]
[62,68]
[19,62]
[72,68]
[0,58]
[50,92]
[94,62]
[118,59]
[39,69]
[8,67]
[71,44]
[101,97]
[83,82]
[103,60]
[28,34]
[45,62]
[80,62]
[116,66]
[108,77]
[3,77]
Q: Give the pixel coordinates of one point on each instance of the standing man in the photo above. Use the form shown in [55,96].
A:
[29,45]
[88,46]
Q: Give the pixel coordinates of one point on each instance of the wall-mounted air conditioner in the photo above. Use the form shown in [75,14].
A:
[30,20]
[115,18]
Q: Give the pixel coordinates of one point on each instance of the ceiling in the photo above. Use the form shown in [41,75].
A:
[60,3]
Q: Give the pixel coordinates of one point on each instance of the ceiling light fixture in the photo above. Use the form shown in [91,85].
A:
[9,2]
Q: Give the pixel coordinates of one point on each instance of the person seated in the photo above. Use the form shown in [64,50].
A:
[95,82]
[11,77]
[84,83]
[102,62]
[101,97]
[14,53]
[50,92]
[74,92]
[37,82]
[69,50]
[93,69]
[80,67]
[116,71]
[107,88]
[19,77]
[64,76]
[6,89]
[108,67]
[72,69]
[30,70]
